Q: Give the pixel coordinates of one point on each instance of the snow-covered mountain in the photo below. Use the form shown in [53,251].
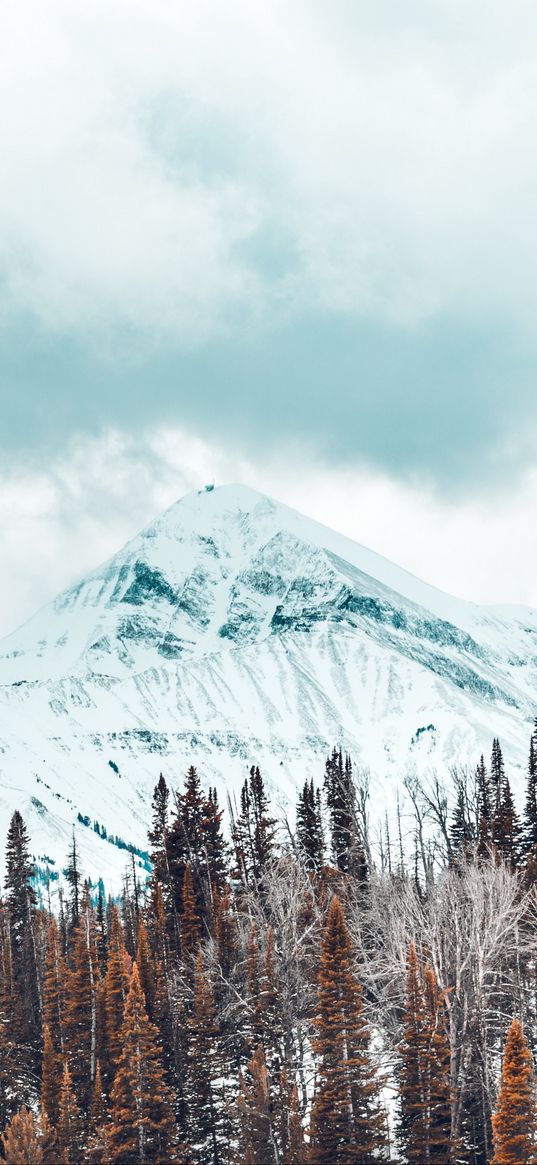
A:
[234,630]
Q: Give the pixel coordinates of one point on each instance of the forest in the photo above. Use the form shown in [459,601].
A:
[276,992]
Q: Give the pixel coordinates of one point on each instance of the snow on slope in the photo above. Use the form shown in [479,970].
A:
[233,630]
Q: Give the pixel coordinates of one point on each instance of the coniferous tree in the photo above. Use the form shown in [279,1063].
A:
[347,1126]
[462,832]
[529,830]
[96,1151]
[73,877]
[514,1121]
[20,905]
[254,832]
[346,841]
[309,827]
[143,1130]
[207,1101]
[69,1127]
[115,988]
[51,1078]
[257,1143]
[80,1018]
[22,1140]
[483,797]
[506,826]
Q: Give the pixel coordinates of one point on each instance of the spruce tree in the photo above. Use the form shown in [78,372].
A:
[309,827]
[20,904]
[22,1140]
[69,1126]
[514,1124]
[257,1142]
[346,841]
[483,793]
[73,877]
[529,829]
[347,1126]
[206,1093]
[143,1130]
[80,1018]
[254,832]
[115,988]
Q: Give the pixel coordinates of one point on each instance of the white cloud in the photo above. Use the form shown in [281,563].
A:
[58,523]
[147,144]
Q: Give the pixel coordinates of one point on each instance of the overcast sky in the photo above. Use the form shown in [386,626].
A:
[288,244]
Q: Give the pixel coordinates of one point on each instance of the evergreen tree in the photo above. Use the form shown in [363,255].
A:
[72,876]
[462,832]
[22,1140]
[80,1019]
[514,1121]
[346,841]
[190,923]
[116,985]
[309,827]
[143,1129]
[506,826]
[97,1139]
[69,1126]
[529,830]
[161,860]
[257,1144]
[51,1077]
[207,1102]
[483,798]
[253,832]
[347,1125]
[20,904]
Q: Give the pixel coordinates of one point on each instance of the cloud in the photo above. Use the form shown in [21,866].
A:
[150,144]
[61,521]
[253,218]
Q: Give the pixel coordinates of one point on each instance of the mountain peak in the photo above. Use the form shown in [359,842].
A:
[232,630]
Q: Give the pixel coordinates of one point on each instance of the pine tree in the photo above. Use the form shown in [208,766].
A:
[116,984]
[415,1068]
[54,989]
[73,877]
[51,1077]
[425,1128]
[257,1144]
[143,1130]
[190,923]
[462,832]
[161,860]
[514,1121]
[96,1152]
[483,798]
[80,1019]
[529,830]
[69,1126]
[207,1102]
[506,827]
[21,903]
[22,1140]
[439,1092]
[346,841]
[309,827]
[346,1123]
[254,832]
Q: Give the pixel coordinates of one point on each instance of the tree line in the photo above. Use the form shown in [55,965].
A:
[277,993]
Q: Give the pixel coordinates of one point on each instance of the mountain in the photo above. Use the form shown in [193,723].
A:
[234,630]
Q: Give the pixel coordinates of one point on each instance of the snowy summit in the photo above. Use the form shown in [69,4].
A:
[235,630]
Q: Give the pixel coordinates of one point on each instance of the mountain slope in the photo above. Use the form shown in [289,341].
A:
[234,629]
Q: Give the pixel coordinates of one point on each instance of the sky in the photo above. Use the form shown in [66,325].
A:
[290,245]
